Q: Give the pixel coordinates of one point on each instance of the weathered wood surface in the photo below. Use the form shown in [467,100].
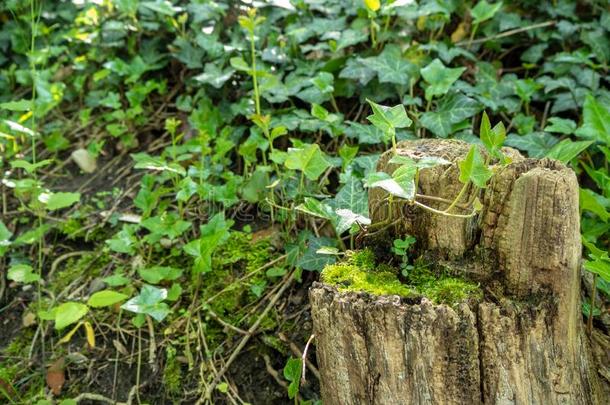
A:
[523,344]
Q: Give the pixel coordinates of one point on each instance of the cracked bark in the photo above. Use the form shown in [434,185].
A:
[522,344]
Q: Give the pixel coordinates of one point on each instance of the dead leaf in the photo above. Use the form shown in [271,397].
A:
[459,33]
[56,376]
[84,160]
[69,335]
[119,347]
[90,334]
[29,319]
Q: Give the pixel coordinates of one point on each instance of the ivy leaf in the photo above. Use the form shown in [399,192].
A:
[105,298]
[312,261]
[369,134]
[156,274]
[492,138]
[30,167]
[387,119]
[214,76]
[69,313]
[347,218]
[352,196]
[57,201]
[292,370]
[567,150]
[308,159]
[560,126]
[474,169]
[215,232]
[391,67]
[439,78]
[313,207]
[483,11]
[145,161]
[149,302]
[124,241]
[391,185]
[536,144]
[22,273]
[591,201]
[600,267]
[596,121]
[453,109]
[357,69]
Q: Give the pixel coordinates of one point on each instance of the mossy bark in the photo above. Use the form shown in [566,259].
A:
[522,344]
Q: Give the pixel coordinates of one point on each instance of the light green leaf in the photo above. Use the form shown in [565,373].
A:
[156,274]
[145,161]
[292,373]
[308,159]
[483,11]
[22,273]
[313,207]
[240,64]
[105,298]
[591,201]
[560,126]
[391,185]
[600,267]
[492,138]
[18,105]
[69,313]
[439,78]
[387,119]
[149,302]
[61,200]
[214,233]
[596,121]
[347,218]
[567,150]
[30,167]
[474,169]
[325,250]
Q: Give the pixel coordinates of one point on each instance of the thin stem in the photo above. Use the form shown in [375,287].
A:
[472,34]
[257,101]
[592,305]
[444,212]
[458,197]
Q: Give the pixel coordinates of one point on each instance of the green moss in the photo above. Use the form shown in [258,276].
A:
[172,374]
[358,272]
[441,286]
[238,257]
[451,290]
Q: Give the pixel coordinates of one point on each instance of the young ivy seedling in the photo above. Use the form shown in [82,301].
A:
[403,182]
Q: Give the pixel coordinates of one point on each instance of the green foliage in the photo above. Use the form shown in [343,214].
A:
[292,373]
[270,117]
[149,302]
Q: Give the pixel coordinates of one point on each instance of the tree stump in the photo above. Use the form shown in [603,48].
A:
[521,344]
